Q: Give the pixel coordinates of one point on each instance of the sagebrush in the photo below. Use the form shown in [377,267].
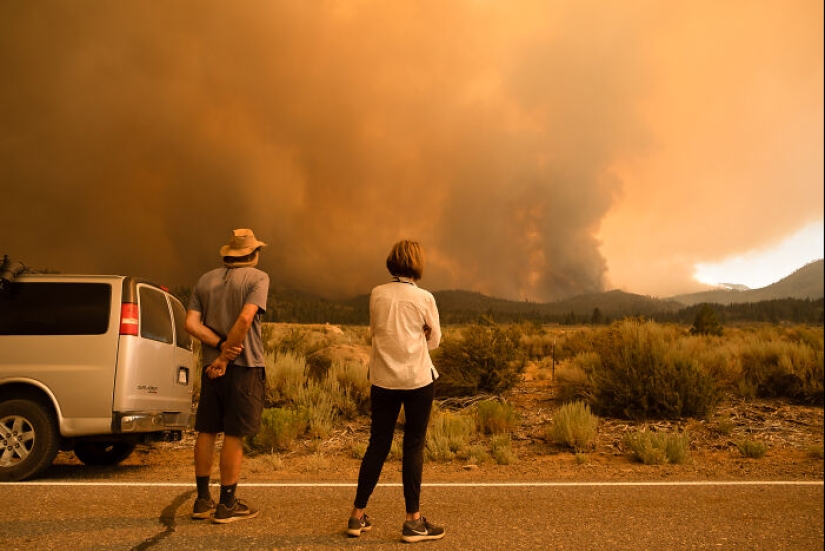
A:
[575,426]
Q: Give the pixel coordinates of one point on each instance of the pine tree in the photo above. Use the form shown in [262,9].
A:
[706,322]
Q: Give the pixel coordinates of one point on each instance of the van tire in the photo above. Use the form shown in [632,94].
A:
[100,453]
[29,437]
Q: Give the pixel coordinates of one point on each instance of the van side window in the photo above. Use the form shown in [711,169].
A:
[182,338]
[55,309]
[155,321]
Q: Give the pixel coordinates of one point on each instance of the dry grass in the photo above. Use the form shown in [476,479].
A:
[792,433]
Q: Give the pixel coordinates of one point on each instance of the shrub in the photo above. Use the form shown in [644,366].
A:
[656,448]
[359,449]
[342,392]
[284,377]
[643,375]
[295,341]
[485,359]
[496,417]
[574,426]
[475,454]
[752,449]
[274,461]
[747,389]
[354,388]
[501,447]
[267,335]
[543,372]
[317,400]
[574,376]
[724,426]
[717,356]
[315,463]
[773,368]
[646,448]
[575,342]
[448,433]
[534,341]
[279,429]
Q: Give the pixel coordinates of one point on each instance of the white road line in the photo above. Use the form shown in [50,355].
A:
[432,484]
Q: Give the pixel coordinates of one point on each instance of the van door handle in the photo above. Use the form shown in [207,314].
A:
[183,375]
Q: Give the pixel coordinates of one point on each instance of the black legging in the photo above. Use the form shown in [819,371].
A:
[386,405]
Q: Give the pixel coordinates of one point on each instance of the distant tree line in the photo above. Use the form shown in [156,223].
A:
[291,306]
[772,311]
[787,310]
[287,306]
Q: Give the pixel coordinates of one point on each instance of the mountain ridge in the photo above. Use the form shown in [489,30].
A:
[789,299]
[804,283]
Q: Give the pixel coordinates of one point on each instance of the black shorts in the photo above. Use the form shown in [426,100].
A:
[232,404]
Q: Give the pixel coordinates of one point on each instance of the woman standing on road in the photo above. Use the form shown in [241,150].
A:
[404,325]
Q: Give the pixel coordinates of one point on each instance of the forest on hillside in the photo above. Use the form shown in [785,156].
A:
[790,300]
[459,307]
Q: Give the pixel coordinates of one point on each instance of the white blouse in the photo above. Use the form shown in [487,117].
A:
[400,357]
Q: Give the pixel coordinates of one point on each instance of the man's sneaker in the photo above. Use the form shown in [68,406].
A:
[204,507]
[238,511]
[358,525]
[420,530]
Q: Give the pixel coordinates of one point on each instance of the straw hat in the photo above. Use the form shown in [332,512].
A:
[241,243]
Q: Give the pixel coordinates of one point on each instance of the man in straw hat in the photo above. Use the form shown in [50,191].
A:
[224,313]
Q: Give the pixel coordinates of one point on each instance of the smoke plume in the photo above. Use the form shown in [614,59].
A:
[137,135]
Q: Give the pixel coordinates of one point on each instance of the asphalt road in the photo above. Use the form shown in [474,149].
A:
[600,516]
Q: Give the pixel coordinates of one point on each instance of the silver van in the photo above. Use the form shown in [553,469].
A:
[91,363]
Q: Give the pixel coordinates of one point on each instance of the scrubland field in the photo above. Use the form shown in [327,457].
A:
[631,400]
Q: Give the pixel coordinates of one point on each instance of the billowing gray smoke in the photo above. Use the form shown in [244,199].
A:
[138,135]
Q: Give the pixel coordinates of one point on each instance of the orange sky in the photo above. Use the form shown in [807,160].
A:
[537,149]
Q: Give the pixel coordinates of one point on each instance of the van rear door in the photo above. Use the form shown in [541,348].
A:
[184,356]
[153,385]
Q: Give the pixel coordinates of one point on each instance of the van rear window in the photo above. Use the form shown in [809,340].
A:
[155,322]
[182,338]
[55,309]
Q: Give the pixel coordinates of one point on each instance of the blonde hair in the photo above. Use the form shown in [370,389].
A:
[406,259]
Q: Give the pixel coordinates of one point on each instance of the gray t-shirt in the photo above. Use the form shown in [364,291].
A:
[219,296]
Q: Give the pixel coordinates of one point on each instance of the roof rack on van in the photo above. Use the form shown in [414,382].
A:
[8,271]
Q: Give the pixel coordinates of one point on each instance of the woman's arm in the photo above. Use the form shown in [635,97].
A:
[432,324]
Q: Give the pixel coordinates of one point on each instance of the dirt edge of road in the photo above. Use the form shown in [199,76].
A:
[793,435]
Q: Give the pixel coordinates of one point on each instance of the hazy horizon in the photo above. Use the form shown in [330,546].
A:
[276,286]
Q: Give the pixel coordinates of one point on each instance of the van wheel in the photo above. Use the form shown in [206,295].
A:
[100,454]
[29,437]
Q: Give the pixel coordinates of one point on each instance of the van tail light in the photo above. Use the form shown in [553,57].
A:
[129,318]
